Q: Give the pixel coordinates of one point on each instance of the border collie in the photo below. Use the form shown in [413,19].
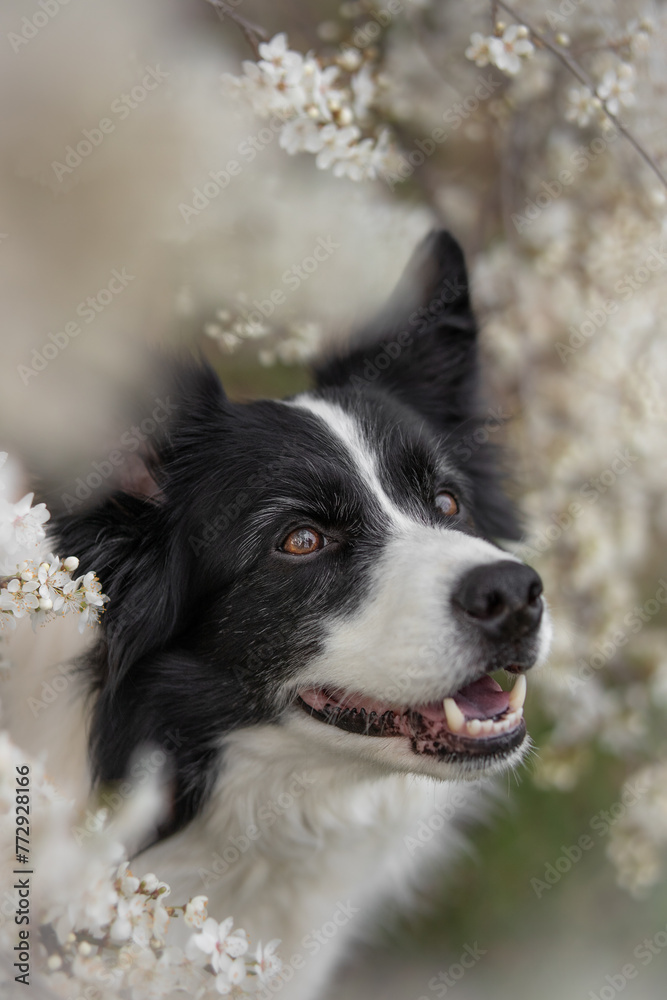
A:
[307,603]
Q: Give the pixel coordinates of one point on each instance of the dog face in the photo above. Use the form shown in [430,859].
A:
[322,565]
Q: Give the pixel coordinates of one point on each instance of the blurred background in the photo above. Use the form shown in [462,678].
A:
[151,198]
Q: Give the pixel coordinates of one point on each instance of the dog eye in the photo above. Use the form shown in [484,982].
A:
[446,503]
[303,541]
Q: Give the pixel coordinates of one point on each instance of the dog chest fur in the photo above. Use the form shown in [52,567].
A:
[294,846]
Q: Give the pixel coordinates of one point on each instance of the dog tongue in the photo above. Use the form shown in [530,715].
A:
[483,699]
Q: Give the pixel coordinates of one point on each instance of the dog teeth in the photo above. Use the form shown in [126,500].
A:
[455,717]
[485,727]
[518,693]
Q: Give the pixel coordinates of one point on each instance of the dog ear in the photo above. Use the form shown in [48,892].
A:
[130,535]
[422,345]
[422,348]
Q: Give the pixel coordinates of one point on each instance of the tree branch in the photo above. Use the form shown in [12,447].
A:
[253,34]
[583,77]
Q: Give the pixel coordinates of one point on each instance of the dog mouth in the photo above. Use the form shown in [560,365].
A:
[479,720]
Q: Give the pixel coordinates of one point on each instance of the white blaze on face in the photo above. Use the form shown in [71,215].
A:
[404,644]
[342,426]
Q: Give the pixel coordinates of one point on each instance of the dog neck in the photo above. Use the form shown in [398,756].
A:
[295,844]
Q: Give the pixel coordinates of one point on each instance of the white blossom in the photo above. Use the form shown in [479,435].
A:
[336,144]
[21,524]
[364,90]
[219,942]
[196,912]
[507,51]
[616,88]
[268,963]
[479,50]
[583,106]
[639,31]
[301,135]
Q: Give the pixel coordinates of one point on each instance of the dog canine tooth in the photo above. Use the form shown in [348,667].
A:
[454,715]
[518,693]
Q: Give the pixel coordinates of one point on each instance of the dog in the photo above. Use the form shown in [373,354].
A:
[307,601]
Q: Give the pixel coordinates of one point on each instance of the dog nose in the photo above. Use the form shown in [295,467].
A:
[503,599]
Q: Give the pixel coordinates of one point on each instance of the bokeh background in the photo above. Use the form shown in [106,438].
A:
[568,280]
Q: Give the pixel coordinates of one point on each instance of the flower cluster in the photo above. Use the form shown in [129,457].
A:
[119,934]
[101,924]
[293,342]
[613,93]
[230,328]
[48,589]
[33,582]
[322,113]
[638,842]
[504,50]
[614,90]
[301,342]
[225,952]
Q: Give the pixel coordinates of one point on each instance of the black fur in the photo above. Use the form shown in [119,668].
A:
[207,619]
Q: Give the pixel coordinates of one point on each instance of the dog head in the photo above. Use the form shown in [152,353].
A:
[323,566]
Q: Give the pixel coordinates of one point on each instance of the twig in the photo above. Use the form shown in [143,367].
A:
[615,43]
[252,32]
[583,77]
